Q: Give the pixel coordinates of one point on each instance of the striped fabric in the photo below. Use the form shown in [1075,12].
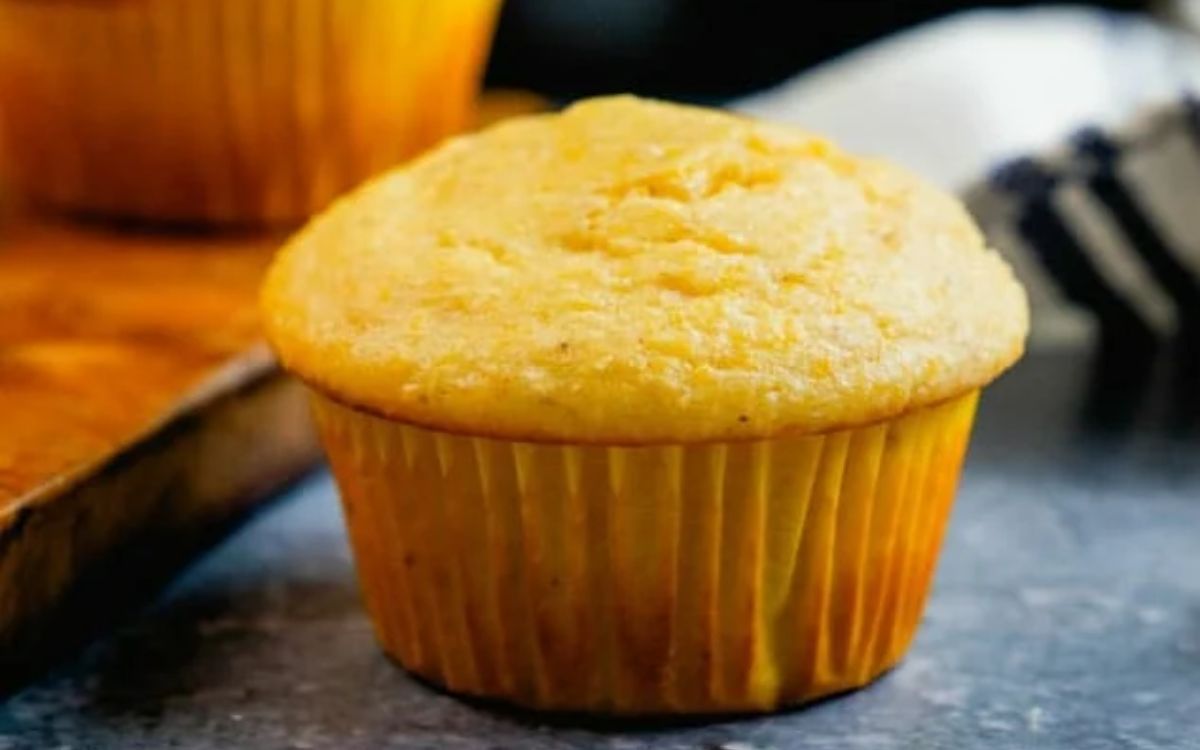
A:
[1105,232]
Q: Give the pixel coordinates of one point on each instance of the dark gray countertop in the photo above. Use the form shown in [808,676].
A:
[1066,614]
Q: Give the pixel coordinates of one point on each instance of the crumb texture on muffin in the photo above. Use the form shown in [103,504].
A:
[631,271]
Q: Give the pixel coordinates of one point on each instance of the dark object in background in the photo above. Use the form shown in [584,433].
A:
[1112,198]
[694,49]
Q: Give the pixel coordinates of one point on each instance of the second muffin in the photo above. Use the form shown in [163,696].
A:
[643,408]
[227,111]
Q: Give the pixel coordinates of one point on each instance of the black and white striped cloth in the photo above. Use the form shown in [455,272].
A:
[1105,232]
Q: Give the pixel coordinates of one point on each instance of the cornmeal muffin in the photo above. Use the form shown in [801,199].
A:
[643,408]
[227,111]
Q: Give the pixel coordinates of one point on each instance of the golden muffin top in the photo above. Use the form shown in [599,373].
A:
[633,272]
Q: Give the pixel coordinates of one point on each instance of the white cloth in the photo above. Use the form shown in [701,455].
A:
[951,98]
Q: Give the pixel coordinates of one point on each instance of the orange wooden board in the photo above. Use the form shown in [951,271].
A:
[138,401]
[100,333]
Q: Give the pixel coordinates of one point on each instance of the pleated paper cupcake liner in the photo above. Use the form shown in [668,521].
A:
[227,111]
[665,579]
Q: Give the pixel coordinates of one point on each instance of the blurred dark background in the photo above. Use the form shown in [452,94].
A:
[694,49]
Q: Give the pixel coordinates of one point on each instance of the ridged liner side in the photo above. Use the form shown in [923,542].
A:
[648,580]
[228,111]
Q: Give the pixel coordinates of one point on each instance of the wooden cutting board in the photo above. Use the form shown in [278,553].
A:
[139,412]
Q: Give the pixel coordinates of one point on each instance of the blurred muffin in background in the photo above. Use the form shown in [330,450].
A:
[227,111]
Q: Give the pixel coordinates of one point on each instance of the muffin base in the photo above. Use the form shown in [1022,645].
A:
[655,580]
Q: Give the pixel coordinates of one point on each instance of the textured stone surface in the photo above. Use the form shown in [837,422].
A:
[1066,615]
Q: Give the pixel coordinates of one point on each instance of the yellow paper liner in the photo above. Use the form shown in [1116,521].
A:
[227,111]
[670,579]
